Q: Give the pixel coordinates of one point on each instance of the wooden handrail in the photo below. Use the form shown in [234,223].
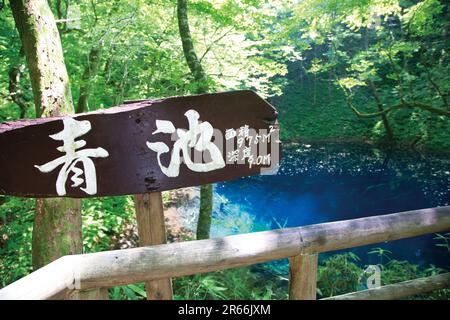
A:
[120,267]
[399,290]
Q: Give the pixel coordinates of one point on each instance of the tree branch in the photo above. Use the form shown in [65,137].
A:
[67,20]
[402,105]
[214,42]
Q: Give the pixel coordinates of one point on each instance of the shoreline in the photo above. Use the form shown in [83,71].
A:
[401,146]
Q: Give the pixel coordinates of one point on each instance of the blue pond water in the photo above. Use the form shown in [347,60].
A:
[322,183]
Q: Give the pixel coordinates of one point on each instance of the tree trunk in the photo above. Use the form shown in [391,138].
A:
[375,94]
[387,126]
[86,80]
[42,47]
[190,55]
[204,218]
[200,78]
[57,222]
[56,230]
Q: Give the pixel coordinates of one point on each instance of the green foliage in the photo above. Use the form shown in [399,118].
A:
[443,240]
[241,283]
[128,292]
[325,44]
[140,50]
[105,227]
[388,52]
[105,222]
[10,56]
[397,271]
[382,254]
[418,18]
[339,274]
[308,117]
[16,223]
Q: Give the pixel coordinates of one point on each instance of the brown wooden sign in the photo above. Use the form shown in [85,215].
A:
[140,146]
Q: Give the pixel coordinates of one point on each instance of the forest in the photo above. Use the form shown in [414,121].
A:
[361,88]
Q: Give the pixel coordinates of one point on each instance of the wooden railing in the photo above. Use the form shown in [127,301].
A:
[301,245]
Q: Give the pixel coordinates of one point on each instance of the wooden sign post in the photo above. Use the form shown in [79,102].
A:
[152,231]
[141,148]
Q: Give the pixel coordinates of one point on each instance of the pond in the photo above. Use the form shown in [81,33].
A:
[331,182]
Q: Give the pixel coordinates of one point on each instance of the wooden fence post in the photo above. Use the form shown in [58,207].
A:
[303,277]
[152,231]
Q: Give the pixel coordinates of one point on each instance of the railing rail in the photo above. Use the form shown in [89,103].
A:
[120,267]
[399,290]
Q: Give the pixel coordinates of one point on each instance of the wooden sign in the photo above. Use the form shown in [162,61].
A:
[141,146]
